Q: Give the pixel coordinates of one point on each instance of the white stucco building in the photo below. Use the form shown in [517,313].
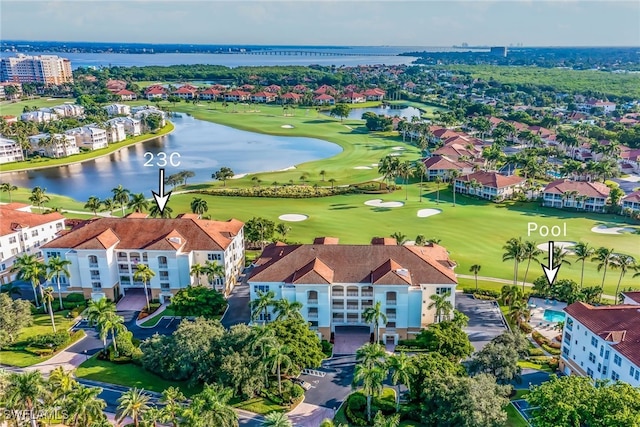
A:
[118,109]
[38,116]
[90,137]
[132,126]
[23,232]
[104,254]
[603,342]
[337,283]
[115,132]
[10,151]
[61,146]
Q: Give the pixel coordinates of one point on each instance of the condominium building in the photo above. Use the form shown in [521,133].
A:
[118,109]
[47,69]
[132,127]
[23,232]
[116,132]
[90,137]
[488,185]
[56,145]
[38,116]
[564,193]
[10,151]
[337,283]
[603,342]
[104,254]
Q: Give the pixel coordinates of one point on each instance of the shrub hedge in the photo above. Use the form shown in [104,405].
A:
[483,292]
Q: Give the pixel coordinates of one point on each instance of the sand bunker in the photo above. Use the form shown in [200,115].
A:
[375,165]
[362,167]
[397,148]
[396,154]
[287,126]
[378,203]
[566,246]
[423,213]
[603,229]
[293,217]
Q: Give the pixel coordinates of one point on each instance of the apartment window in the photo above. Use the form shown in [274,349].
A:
[606,354]
[617,360]
[312,297]
[164,275]
[34,233]
[637,376]
[442,291]
[567,338]
[164,286]
[93,260]
[632,371]
[601,351]
[12,239]
[391,297]
[214,257]
[3,267]
[53,254]
[594,342]
[599,367]
[592,358]
[391,325]
[125,280]
[615,376]
[162,261]
[96,285]
[14,251]
[144,257]
[590,372]
[604,370]
[261,288]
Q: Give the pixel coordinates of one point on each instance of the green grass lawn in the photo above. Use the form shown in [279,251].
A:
[533,365]
[258,405]
[154,321]
[11,108]
[514,419]
[388,394]
[41,325]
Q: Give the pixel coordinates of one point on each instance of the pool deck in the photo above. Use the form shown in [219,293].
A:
[537,321]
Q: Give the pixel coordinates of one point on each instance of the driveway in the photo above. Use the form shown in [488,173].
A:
[485,319]
[329,391]
[239,310]
[133,300]
[347,339]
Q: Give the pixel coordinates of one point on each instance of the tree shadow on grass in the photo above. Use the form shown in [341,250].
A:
[318,121]
[381,209]
[341,208]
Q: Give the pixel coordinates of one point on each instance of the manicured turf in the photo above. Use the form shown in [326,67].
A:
[154,321]
[259,405]
[8,108]
[514,419]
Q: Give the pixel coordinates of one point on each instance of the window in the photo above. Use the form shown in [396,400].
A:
[637,376]
[604,370]
[261,288]
[590,372]
[606,354]
[53,254]
[12,239]
[95,274]
[592,358]
[164,275]
[615,376]
[14,251]
[442,291]
[567,338]
[162,261]
[93,260]
[601,351]
[96,285]
[599,367]
[34,233]
[565,351]
[391,297]
[594,342]
[632,371]
[164,286]
[214,257]
[312,297]
[569,324]
[617,360]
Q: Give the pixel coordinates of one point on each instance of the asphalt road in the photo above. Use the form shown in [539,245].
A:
[485,319]
[329,391]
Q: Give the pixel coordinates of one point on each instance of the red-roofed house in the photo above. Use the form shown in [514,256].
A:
[300,89]
[185,92]
[603,342]
[564,193]
[126,95]
[291,98]
[488,185]
[155,92]
[324,99]
[210,94]
[374,94]
[263,97]
[272,88]
[237,95]
[631,202]
[105,252]
[353,97]
[442,166]
[325,89]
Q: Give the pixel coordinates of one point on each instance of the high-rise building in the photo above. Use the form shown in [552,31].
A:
[47,69]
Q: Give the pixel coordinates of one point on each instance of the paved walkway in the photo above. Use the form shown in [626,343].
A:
[238,310]
[133,300]
[308,415]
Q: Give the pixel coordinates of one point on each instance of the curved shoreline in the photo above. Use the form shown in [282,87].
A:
[160,133]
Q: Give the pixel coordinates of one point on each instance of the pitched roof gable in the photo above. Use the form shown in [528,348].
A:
[315,271]
[390,273]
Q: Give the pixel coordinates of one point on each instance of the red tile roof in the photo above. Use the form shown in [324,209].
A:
[590,189]
[632,197]
[492,179]
[323,97]
[326,241]
[442,162]
[633,295]
[11,220]
[620,324]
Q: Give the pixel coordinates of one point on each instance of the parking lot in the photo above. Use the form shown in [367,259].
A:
[485,319]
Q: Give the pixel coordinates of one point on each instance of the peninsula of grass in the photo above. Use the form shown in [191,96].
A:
[167,312]
[46,162]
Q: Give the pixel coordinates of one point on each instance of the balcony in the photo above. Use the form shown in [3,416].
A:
[163,265]
[367,293]
[337,306]
[337,294]
[352,307]
[312,316]
[93,265]
[95,277]
[123,270]
[123,257]
[313,301]
[352,294]
[391,302]
[391,316]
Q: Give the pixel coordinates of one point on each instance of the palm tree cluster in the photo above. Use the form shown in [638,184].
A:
[514,298]
[102,314]
[211,269]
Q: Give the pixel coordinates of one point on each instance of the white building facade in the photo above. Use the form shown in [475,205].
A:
[90,137]
[58,145]
[10,151]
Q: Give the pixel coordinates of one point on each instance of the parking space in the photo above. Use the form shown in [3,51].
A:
[331,389]
[485,319]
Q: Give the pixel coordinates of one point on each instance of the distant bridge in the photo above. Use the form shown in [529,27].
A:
[303,53]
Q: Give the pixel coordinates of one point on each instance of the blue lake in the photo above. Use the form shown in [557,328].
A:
[204,147]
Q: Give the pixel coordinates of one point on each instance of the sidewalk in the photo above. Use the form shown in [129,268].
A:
[153,315]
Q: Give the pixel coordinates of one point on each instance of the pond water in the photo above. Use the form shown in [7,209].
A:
[204,147]
[406,112]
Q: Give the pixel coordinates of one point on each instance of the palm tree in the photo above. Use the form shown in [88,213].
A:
[97,314]
[112,323]
[260,305]
[152,416]
[173,400]
[109,204]
[133,403]
[57,267]
[278,358]
[603,256]
[277,419]
[400,237]
[514,250]
[624,263]
[371,355]
[144,274]
[196,271]
[210,407]
[31,270]
[442,306]
[529,252]
[582,252]
[93,204]
[438,181]
[286,309]
[452,176]
[199,206]
[213,270]
[371,378]
[38,197]
[404,171]
[519,312]
[283,229]
[85,407]
[121,196]
[323,173]
[332,181]
[8,188]
[154,212]
[380,421]
[47,298]
[510,294]
[375,315]
[25,391]
[420,170]
[401,373]
[138,202]
[475,269]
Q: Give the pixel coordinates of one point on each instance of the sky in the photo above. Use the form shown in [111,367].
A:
[327,22]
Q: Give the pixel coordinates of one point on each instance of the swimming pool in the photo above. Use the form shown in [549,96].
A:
[553,316]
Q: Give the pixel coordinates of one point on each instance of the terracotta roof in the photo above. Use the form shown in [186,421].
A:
[633,295]
[125,92]
[291,95]
[619,323]
[326,241]
[14,206]
[590,189]
[354,264]
[323,97]
[632,197]
[184,89]
[238,93]
[492,179]
[388,241]
[11,219]
[443,162]
[151,234]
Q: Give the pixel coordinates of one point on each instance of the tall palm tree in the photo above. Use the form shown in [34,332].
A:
[144,274]
[121,196]
[211,408]
[97,313]
[152,416]
[85,407]
[196,271]
[61,383]
[624,263]
[375,315]
[519,312]
[264,340]
[582,251]
[173,401]
[31,270]
[404,171]
[420,170]
[260,305]
[47,298]
[453,174]
[442,306]
[381,421]
[402,371]
[93,204]
[138,202]
[38,197]
[7,187]
[371,378]
[559,256]
[475,269]
[278,358]
[510,294]
[529,252]
[154,211]
[286,309]
[57,267]
[112,323]
[132,403]
[277,419]
[25,391]
[514,249]
[199,206]
[283,229]
[213,270]
[603,256]
[438,181]
[109,204]
[371,354]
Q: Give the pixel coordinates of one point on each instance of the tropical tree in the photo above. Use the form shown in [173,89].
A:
[475,269]
[213,270]
[132,403]
[323,173]
[510,294]
[199,206]
[7,187]
[24,391]
[442,305]
[196,271]
[400,237]
[57,267]
[121,196]
[529,252]
[285,309]
[278,358]
[283,229]
[113,323]
[138,202]
[172,400]
[277,419]
[223,174]
[93,204]
[371,355]
[401,370]
[519,312]
[438,181]
[38,197]
[97,313]
[404,171]
[47,298]
[375,316]
[371,378]
[260,305]
[624,263]
[154,211]
[453,174]
[211,407]
[30,269]
[108,205]
[85,407]
[582,251]
[514,251]
[381,421]
[144,274]
[388,167]
[603,257]
[340,110]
